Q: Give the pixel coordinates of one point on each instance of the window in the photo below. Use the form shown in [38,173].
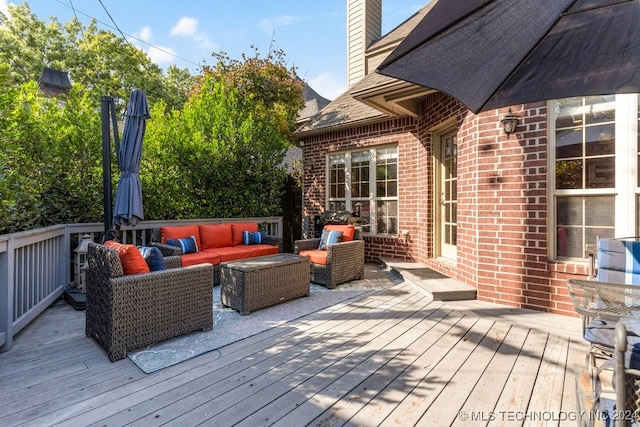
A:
[365,178]
[595,157]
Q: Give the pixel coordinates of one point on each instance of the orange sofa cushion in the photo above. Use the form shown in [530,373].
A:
[132,260]
[196,258]
[180,232]
[262,250]
[238,228]
[316,256]
[348,231]
[215,236]
[233,253]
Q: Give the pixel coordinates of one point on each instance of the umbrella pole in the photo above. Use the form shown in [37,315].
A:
[109,232]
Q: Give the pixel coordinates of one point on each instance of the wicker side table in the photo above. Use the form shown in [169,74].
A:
[254,283]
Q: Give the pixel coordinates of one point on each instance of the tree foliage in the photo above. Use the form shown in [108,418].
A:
[214,145]
[99,60]
[225,148]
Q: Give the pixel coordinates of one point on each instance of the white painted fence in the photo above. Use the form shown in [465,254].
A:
[36,266]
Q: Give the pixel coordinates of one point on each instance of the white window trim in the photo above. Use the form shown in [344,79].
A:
[626,191]
[371,228]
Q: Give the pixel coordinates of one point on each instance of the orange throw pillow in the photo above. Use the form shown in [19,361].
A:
[215,236]
[348,231]
[238,228]
[132,260]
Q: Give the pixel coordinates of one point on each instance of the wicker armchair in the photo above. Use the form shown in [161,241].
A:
[127,312]
[345,262]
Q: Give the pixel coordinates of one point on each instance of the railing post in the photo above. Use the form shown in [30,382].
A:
[66,256]
[6,294]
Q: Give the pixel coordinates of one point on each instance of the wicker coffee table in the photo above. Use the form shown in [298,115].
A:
[250,284]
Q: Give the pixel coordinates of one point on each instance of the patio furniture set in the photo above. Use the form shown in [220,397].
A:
[608,384]
[140,296]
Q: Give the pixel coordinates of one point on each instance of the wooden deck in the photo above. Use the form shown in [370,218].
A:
[391,358]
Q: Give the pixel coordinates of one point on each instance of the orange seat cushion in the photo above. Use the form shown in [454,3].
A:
[263,250]
[348,231]
[132,260]
[238,228]
[315,256]
[215,236]
[196,258]
[180,232]
[234,253]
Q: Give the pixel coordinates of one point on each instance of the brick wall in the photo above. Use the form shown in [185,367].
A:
[502,200]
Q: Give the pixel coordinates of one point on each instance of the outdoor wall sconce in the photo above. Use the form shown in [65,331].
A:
[509,123]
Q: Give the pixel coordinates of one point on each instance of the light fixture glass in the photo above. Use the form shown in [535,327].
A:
[509,123]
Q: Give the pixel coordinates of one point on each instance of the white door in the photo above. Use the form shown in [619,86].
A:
[447,179]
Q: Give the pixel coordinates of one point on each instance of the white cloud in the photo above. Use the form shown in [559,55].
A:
[145,34]
[161,54]
[185,27]
[327,85]
[188,27]
[269,24]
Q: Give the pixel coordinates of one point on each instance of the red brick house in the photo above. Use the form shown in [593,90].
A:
[439,185]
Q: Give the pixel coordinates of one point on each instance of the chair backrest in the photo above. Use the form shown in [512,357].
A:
[105,261]
[348,231]
[618,261]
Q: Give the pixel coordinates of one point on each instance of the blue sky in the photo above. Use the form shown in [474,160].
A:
[186,32]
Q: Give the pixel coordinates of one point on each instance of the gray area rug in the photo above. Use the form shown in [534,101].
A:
[230,326]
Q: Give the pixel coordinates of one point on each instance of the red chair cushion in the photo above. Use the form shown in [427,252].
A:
[132,260]
[348,231]
[315,256]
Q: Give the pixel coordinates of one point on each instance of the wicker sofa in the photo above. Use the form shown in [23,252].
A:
[127,312]
[338,263]
[216,243]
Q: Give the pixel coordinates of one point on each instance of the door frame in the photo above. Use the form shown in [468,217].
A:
[437,143]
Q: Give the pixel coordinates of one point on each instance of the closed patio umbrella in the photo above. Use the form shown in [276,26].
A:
[495,53]
[127,208]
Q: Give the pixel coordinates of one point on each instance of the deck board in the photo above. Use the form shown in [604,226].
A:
[392,357]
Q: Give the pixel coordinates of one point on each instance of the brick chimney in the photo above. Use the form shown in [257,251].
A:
[364,25]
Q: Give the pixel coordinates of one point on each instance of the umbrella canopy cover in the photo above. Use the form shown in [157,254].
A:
[496,53]
[127,208]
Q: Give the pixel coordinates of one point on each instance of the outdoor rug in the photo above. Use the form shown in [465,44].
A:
[230,326]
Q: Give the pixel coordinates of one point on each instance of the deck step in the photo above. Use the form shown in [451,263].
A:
[439,286]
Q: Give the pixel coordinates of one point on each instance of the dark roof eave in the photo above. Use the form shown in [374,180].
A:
[297,135]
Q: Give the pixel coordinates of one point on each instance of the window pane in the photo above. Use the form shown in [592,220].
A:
[601,172]
[580,220]
[392,189]
[362,209]
[337,173]
[387,217]
[601,140]
[337,206]
[600,109]
[386,172]
[392,171]
[360,174]
[569,174]
[569,143]
[569,112]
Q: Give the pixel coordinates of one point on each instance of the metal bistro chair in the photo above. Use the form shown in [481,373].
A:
[611,293]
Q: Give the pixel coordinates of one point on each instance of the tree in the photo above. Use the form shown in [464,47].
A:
[99,60]
[222,154]
[50,163]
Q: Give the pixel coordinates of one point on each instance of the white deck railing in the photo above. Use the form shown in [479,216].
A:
[36,266]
